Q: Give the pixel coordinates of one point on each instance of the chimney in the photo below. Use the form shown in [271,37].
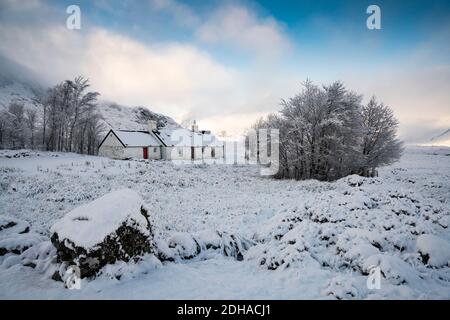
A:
[194,126]
[151,125]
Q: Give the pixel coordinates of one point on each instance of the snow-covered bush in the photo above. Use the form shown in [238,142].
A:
[111,228]
[359,224]
[15,236]
[122,270]
[434,251]
[393,269]
[21,245]
[183,245]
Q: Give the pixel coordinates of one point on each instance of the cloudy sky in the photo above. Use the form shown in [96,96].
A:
[225,63]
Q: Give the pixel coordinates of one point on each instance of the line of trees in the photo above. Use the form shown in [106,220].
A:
[325,133]
[65,118]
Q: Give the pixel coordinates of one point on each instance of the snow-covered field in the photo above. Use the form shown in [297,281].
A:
[309,239]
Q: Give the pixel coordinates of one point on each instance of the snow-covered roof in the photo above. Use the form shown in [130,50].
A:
[179,137]
[137,138]
[210,140]
[185,137]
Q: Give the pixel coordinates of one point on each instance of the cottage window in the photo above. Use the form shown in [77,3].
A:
[180,151]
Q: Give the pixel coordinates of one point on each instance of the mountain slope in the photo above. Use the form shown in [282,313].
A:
[19,84]
[132,118]
[442,139]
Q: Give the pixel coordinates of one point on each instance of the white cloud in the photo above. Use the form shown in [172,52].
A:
[172,78]
[180,80]
[182,13]
[419,96]
[184,81]
[230,25]
[238,27]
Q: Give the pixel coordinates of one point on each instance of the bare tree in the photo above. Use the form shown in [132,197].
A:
[82,103]
[6,128]
[31,119]
[68,112]
[16,109]
[66,117]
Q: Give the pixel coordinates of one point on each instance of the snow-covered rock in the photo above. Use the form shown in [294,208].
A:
[111,228]
[434,251]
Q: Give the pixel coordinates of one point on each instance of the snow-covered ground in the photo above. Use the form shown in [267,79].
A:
[311,239]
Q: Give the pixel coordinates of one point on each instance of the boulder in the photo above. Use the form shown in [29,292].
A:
[112,228]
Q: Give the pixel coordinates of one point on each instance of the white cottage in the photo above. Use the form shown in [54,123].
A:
[169,144]
[122,144]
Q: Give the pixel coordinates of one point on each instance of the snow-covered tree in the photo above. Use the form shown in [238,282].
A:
[380,145]
[6,128]
[69,114]
[323,133]
[31,122]
[17,124]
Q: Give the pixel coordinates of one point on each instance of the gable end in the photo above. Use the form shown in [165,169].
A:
[112,131]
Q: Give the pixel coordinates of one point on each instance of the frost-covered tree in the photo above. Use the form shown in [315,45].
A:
[17,130]
[322,124]
[322,133]
[69,114]
[82,105]
[64,118]
[380,145]
[6,129]
[31,121]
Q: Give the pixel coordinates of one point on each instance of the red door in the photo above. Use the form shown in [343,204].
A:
[145,150]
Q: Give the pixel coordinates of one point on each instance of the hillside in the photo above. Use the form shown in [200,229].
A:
[19,84]
[131,118]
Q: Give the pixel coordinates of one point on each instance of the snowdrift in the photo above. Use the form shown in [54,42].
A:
[225,232]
